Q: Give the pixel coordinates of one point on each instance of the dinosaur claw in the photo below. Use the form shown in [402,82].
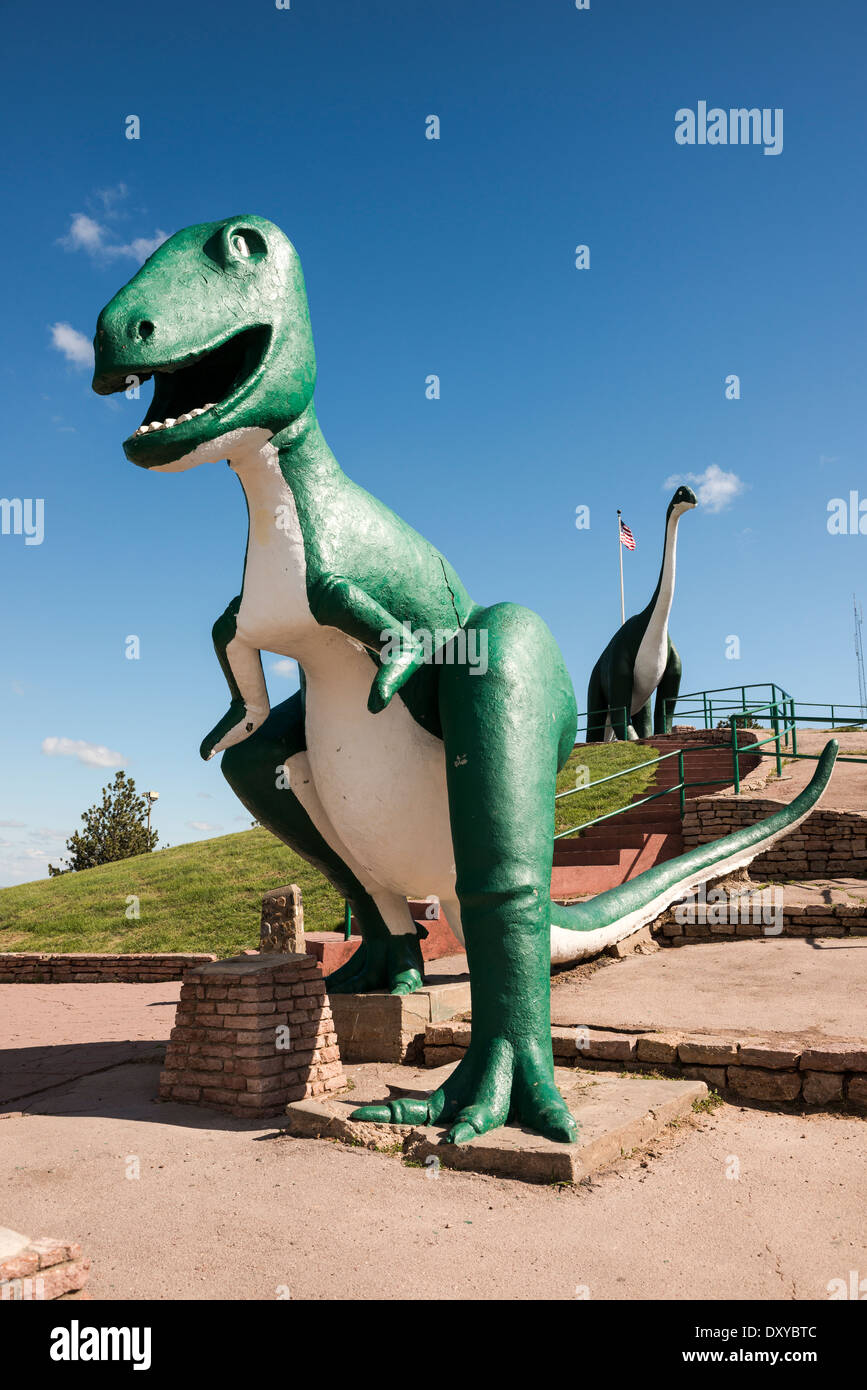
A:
[374,1114]
[460,1133]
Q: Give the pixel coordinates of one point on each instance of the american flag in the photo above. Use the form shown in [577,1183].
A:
[626,536]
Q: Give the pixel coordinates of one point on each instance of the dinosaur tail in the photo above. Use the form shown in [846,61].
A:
[584,929]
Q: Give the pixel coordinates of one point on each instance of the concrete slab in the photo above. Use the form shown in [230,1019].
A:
[51,1034]
[651,1226]
[385,1027]
[615,1115]
[782,985]
[11,1243]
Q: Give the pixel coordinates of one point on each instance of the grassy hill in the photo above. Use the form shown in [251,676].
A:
[206,896]
[603,759]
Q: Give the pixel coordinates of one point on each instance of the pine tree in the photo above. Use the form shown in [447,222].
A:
[114,830]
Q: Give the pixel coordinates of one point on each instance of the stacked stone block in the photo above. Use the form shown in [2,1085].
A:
[54,968]
[826,845]
[251,1034]
[282,925]
[37,1270]
[824,1072]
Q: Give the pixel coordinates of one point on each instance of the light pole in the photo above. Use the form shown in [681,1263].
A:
[152,797]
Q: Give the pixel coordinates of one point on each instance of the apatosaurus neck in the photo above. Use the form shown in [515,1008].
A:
[659,608]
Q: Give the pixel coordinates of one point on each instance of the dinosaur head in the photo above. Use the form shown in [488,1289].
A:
[218,317]
[682,501]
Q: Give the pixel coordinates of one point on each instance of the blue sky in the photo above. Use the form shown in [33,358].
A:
[559,387]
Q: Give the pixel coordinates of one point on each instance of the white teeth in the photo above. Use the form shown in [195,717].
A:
[169,422]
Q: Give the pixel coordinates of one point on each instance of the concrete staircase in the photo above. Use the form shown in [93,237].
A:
[621,848]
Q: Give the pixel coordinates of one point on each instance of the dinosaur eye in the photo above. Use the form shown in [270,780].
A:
[247,243]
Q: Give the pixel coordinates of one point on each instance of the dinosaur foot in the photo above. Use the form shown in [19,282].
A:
[394,964]
[496,1081]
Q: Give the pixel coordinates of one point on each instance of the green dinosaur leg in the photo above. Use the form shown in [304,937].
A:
[642,722]
[596,705]
[620,703]
[505,734]
[253,770]
[667,692]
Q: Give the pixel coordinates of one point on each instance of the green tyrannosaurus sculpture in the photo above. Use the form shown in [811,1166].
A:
[641,657]
[420,755]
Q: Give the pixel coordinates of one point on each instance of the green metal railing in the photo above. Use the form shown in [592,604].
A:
[782,713]
[679,786]
[617,716]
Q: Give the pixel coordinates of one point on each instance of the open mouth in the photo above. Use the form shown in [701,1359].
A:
[209,381]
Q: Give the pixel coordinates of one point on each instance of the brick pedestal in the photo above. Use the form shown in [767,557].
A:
[252,1034]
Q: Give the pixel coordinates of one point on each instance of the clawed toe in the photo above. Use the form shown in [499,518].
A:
[405,1111]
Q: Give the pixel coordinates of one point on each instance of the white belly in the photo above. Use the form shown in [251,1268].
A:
[380,778]
[649,665]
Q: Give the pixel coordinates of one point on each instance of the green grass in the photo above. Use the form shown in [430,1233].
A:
[207,896]
[204,896]
[603,759]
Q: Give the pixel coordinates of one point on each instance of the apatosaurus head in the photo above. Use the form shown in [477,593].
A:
[682,501]
[218,317]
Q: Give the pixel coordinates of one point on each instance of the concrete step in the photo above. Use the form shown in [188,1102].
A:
[578,852]
[576,877]
[625,836]
[331,949]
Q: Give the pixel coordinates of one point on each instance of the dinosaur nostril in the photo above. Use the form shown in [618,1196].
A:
[145,329]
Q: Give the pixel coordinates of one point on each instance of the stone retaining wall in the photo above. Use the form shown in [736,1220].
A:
[828,1073]
[47,968]
[827,844]
[798,919]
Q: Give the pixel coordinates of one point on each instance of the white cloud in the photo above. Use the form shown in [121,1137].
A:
[86,234]
[714,488]
[202,825]
[13,824]
[92,754]
[285,667]
[109,196]
[75,347]
[21,864]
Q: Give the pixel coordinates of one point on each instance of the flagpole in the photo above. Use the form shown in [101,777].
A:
[620,549]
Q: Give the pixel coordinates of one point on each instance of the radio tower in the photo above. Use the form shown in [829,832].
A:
[859,655]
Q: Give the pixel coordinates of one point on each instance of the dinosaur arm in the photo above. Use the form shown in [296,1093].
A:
[241,664]
[337,602]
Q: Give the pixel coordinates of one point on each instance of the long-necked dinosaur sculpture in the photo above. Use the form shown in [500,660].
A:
[406,764]
[641,657]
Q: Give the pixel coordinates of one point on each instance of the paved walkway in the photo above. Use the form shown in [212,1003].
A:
[848,788]
[780,985]
[50,1034]
[739,1204]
